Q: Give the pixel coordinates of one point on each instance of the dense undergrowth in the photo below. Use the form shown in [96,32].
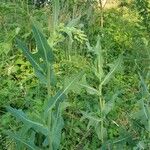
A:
[74,75]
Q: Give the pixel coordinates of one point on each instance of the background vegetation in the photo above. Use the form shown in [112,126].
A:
[94,94]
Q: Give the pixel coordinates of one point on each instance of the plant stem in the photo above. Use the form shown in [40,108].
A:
[101,108]
[50,113]
[48,80]
[49,127]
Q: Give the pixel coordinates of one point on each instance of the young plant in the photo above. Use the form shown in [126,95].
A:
[99,119]
[44,131]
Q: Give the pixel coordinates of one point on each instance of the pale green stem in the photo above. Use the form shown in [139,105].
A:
[149,127]
[49,115]
[49,127]
[101,101]
[48,80]
[101,108]
[69,49]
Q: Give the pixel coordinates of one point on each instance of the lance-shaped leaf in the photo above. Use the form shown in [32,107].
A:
[60,95]
[108,106]
[90,89]
[90,116]
[43,47]
[144,87]
[75,87]
[20,115]
[18,138]
[34,62]
[23,132]
[57,127]
[112,71]
[100,133]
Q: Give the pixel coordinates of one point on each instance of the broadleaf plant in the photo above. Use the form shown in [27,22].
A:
[104,106]
[51,121]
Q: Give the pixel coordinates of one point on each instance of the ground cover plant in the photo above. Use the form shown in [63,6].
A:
[74,75]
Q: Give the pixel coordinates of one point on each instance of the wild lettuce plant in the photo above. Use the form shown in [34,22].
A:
[44,131]
[98,119]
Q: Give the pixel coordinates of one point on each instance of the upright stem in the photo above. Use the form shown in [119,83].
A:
[49,122]
[48,80]
[101,108]
[69,49]
[49,127]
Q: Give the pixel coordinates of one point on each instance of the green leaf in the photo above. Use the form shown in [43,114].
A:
[90,117]
[56,133]
[49,105]
[60,94]
[29,56]
[90,90]
[57,128]
[143,114]
[108,106]
[98,132]
[22,133]
[18,138]
[112,72]
[72,83]
[20,115]
[144,87]
[43,47]
[41,77]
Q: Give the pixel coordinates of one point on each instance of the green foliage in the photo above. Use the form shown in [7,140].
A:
[53,122]
[106,106]
[143,8]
